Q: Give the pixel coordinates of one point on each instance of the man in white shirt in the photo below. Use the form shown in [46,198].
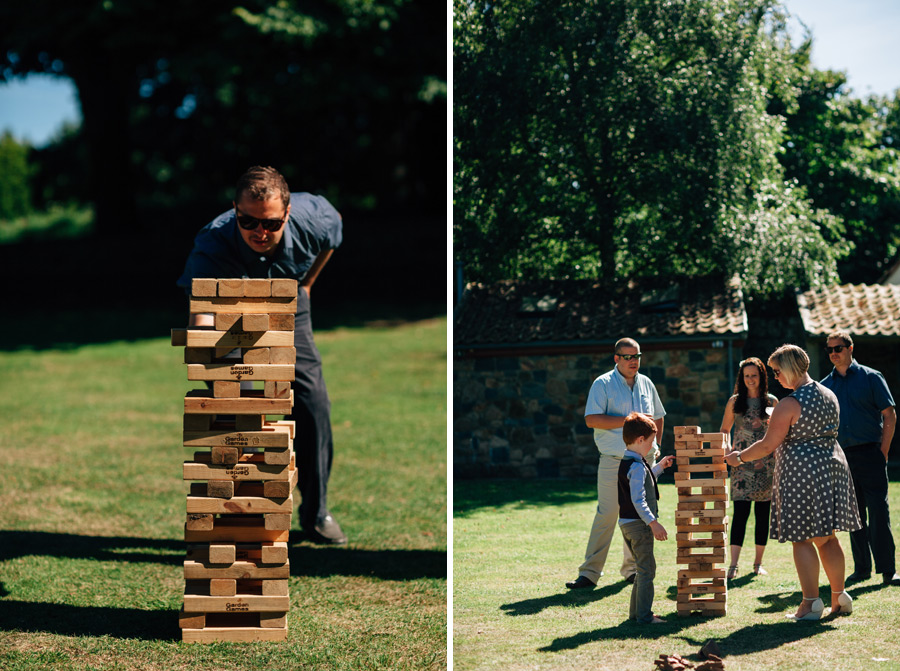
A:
[612,397]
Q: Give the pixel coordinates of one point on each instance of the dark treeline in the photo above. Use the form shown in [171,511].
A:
[347,99]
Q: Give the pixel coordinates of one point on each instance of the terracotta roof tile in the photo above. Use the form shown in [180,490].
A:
[583,311]
[861,309]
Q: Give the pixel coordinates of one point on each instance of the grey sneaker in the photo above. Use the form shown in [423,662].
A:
[328,532]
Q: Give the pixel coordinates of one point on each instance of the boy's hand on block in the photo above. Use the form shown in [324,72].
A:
[659,531]
[666,461]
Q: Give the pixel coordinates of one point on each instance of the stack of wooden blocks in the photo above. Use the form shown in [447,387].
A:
[700,520]
[243,472]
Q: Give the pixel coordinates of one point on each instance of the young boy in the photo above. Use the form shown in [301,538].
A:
[638,496]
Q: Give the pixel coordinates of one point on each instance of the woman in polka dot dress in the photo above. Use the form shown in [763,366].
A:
[812,495]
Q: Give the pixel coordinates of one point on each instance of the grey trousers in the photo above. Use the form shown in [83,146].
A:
[639,539]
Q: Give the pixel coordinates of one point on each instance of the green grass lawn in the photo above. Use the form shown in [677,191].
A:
[515,544]
[91,536]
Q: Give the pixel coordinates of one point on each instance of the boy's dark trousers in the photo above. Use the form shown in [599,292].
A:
[639,540]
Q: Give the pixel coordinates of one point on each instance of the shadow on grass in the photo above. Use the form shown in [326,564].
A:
[57,618]
[567,599]
[469,496]
[15,544]
[306,560]
[764,636]
[626,630]
[324,562]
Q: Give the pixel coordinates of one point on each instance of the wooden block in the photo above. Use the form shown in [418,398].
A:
[199,522]
[191,620]
[222,587]
[713,573]
[281,322]
[687,527]
[238,338]
[704,497]
[202,401]
[275,489]
[682,431]
[255,323]
[198,567]
[221,553]
[256,355]
[686,587]
[231,288]
[703,468]
[284,288]
[238,504]
[697,452]
[194,422]
[685,480]
[688,514]
[259,288]
[241,603]
[244,423]
[277,389]
[178,337]
[226,321]
[701,543]
[226,389]
[221,454]
[701,505]
[194,355]
[240,529]
[277,521]
[277,553]
[266,436]
[275,587]
[244,305]
[283,355]
[270,620]
[203,287]
[690,536]
[710,437]
[276,456]
[249,467]
[222,489]
[282,423]
[240,371]
[234,634]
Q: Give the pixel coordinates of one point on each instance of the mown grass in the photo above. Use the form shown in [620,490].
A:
[515,544]
[91,537]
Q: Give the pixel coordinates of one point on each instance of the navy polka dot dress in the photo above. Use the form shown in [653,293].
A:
[812,493]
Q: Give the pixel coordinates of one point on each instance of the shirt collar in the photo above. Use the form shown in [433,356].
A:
[852,368]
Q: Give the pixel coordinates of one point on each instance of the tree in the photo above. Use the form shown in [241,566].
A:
[15,187]
[629,137]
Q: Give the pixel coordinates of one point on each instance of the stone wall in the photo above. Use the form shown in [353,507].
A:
[523,416]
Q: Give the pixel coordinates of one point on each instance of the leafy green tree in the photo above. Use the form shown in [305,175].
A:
[842,150]
[609,138]
[15,188]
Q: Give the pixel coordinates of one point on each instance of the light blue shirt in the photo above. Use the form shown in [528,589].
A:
[636,482]
[611,395]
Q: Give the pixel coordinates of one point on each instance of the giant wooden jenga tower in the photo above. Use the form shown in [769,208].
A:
[243,472]
[700,520]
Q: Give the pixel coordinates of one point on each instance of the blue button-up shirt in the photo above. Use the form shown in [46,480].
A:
[862,394]
[219,250]
[611,395]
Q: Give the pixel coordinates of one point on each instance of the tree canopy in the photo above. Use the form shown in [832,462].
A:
[614,138]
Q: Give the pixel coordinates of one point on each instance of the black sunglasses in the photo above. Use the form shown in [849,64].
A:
[837,348]
[249,223]
[629,357]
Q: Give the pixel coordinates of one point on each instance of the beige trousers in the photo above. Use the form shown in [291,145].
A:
[605,522]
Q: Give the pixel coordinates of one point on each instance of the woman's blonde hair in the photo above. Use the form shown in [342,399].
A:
[792,360]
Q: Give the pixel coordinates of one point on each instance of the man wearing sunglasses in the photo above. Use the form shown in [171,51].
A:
[867,423]
[270,232]
[612,397]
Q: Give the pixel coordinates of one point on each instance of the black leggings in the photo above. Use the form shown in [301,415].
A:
[742,514]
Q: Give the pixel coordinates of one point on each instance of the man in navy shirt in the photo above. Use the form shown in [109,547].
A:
[868,419]
[273,233]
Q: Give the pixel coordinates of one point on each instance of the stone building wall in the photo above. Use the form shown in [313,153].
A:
[523,416]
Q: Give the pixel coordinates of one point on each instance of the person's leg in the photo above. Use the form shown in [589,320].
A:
[832,555]
[629,568]
[761,511]
[313,443]
[642,547]
[875,488]
[632,603]
[806,560]
[859,539]
[738,529]
[605,519]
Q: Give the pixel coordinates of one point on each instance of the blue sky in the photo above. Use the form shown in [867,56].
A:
[857,37]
